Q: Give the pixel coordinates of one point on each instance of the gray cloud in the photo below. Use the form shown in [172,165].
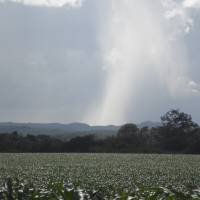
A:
[139,43]
[47,3]
[102,62]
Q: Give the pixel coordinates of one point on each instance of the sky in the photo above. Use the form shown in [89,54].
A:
[98,62]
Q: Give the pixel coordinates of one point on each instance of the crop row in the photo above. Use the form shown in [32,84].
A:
[111,175]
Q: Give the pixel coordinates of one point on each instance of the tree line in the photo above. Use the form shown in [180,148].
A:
[178,134]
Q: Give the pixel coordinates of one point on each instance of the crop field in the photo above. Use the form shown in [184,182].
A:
[99,176]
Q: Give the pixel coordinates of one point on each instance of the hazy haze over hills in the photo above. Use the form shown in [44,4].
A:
[56,127]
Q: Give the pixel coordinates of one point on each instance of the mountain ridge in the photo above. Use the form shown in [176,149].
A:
[76,126]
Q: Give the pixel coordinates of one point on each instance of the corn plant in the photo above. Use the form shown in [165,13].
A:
[99,176]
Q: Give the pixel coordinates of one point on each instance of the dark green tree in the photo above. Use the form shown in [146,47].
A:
[154,137]
[15,133]
[79,144]
[127,130]
[174,119]
[131,135]
[178,130]
[144,130]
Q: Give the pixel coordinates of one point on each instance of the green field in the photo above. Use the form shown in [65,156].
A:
[107,173]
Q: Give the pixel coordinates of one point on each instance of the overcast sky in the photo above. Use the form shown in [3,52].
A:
[98,62]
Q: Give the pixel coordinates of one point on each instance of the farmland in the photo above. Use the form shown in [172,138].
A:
[107,173]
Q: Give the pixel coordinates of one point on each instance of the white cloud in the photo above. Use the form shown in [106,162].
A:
[168,3]
[187,29]
[192,83]
[113,58]
[194,92]
[179,10]
[191,4]
[169,14]
[184,87]
[49,3]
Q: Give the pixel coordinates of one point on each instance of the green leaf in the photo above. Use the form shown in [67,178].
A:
[171,197]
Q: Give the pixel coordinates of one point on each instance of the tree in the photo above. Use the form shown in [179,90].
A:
[15,133]
[178,131]
[80,144]
[177,121]
[130,134]
[144,130]
[154,138]
[127,130]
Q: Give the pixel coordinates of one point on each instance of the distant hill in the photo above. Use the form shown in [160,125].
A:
[52,128]
[149,124]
